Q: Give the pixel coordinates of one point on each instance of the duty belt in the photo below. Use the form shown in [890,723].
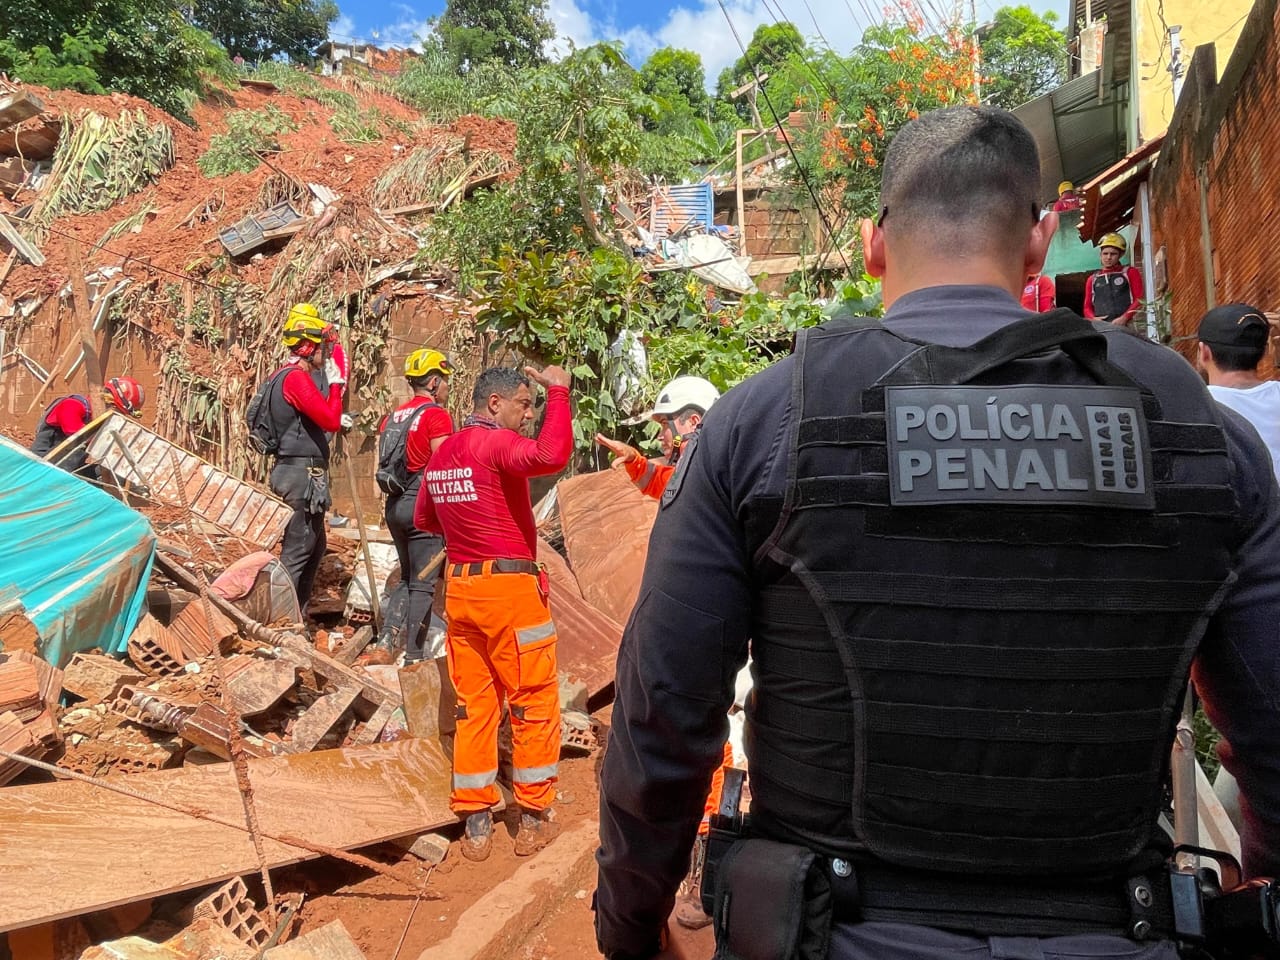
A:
[1140,908]
[319,462]
[495,566]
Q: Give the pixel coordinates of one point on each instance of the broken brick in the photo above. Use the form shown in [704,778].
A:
[20,690]
[196,635]
[231,907]
[95,677]
[155,650]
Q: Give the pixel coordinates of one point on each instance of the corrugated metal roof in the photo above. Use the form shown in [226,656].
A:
[1109,197]
[1079,134]
[676,207]
[1119,31]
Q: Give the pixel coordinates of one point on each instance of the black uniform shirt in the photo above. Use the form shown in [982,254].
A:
[688,634]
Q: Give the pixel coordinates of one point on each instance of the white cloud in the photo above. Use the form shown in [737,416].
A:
[572,23]
[343,29]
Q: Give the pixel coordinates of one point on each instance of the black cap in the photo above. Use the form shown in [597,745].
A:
[1235,325]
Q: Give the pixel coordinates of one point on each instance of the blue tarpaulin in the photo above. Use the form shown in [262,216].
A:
[77,559]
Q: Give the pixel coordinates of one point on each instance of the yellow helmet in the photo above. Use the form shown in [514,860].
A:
[301,329]
[303,310]
[1114,240]
[1064,186]
[424,362]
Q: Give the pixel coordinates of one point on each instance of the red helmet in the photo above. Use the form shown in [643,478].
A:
[126,393]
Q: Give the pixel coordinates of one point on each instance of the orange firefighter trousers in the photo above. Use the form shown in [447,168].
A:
[502,647]
[712,805]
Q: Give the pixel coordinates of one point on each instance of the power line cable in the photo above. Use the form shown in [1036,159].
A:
[786,139]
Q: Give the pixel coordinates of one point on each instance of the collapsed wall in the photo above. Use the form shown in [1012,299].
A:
[189,276]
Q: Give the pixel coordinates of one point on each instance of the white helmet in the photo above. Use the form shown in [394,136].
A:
[684,392]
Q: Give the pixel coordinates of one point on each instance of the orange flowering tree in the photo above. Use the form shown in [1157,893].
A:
[845,109]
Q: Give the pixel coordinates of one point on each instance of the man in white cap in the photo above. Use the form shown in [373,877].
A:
[679,410]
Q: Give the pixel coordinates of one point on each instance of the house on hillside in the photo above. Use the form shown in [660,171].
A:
[339,58]
[1102,129]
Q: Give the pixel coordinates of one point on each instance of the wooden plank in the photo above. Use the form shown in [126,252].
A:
[320,718]
[18,106]
[28,250]
[124,847]
[82,307]
[586,638]
[375,725]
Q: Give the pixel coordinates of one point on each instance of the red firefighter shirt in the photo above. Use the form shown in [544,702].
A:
[433,423]
[476,490]
[1037,295]
[69,415]
[301,393]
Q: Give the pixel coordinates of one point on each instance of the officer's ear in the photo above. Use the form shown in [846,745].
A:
[872,247]
[1038,243]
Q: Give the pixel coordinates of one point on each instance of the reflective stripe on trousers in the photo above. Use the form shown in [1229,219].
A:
[502,647]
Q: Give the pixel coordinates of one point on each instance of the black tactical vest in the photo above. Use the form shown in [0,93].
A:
[1112,294]
[992,584]
[49,435]
[299,435]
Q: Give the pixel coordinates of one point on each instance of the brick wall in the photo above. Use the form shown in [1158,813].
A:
[1222,144]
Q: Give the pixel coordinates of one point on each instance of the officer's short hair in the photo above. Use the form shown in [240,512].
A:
[504,381]
[959,178]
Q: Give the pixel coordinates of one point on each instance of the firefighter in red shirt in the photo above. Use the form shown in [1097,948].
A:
[1067,199]
[1038,294]
[1113,293]
[298,417]
[681,405]
[501,639]
[409,436]
[69,415]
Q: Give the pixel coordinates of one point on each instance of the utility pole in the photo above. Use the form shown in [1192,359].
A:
[975,53]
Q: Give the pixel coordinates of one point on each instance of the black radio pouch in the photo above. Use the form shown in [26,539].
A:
[772,902]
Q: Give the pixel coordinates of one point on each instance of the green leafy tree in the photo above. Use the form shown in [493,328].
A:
[511,31]
[264,29]
[677,77]
[579,120]
[1024,55]
[143,47]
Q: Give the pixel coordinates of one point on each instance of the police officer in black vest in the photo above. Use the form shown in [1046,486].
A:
[976,552]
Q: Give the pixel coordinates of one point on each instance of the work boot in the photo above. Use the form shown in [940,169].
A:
[688,912]
[477,839]
[537,829]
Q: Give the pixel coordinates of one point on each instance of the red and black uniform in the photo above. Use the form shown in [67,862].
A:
[502,640]
[425,421]
[303,418]
[1113,294]
[1038,294]
[62,419]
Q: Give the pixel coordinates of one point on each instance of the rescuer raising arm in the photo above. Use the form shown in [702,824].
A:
[972,624]
[501,638]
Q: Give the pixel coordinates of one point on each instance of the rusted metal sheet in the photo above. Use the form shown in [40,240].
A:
[606,523]
[586,639]
[231,505]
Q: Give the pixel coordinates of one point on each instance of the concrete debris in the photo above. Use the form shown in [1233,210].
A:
[330,942]
[431,847]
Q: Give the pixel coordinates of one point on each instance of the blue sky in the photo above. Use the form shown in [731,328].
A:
[646,25]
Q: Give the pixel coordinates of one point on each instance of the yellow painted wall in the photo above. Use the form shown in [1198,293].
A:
[1203,21]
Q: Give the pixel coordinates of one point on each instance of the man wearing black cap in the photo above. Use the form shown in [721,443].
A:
[1233,340]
